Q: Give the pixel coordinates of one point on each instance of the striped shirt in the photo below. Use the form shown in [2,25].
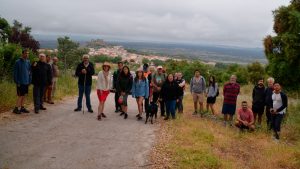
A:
[230,92]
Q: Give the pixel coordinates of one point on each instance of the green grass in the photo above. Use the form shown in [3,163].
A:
[67,86]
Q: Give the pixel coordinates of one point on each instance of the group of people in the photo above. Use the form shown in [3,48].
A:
[42,74]
[150,85]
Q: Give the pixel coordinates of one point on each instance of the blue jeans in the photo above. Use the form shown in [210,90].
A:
[276,122]
[179,105]
[170,107]
[87,92]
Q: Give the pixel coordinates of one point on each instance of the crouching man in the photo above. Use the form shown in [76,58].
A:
[245,118]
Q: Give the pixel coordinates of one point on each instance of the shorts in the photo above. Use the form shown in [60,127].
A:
[211,100]
[102,97]
[198,97]
[229,109]
[259,109]
[22,90]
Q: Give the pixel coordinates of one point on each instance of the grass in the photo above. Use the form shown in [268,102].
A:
[67,86]
[195,142]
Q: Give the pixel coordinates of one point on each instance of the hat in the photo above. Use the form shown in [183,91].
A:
[106,64]
[159,67]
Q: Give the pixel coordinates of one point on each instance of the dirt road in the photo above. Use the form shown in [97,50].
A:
[60,138]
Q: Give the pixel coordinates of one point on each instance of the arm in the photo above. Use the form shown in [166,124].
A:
[49,74]
[182,83]
[216,89]
[133,89]
[78,71]
[130,85]
[98,81]
[16,73]
[90,70]
[253,93]
[191,85]
[147,89]
[284,103]
[204,84]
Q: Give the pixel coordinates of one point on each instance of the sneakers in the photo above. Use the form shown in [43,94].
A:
[16,110]
[122,113]
[43,108]
[91,111]
[24,110]
[103,115]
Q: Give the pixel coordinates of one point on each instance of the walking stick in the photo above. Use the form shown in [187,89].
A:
[83,100]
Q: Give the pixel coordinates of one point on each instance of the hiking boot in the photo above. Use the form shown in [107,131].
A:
[77,109]
[16,110]
[90,110]
[125,116]
[276,135]
[43,108]
[24,110]
[103,115]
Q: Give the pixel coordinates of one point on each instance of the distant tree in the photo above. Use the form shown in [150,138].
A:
[145,60]
[283,49]
[256,71]
[20,35]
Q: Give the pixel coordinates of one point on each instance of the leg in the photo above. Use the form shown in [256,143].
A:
[36,98]
[195,99]
[88,97]
[42,89]
[49,93]
[168,105]
[53,87]
[259,118]
[180,104]
[201,98]
[255,116]
[146,103]
[141,99]
[173,108]
[162,107]
[80,96]
[269,116]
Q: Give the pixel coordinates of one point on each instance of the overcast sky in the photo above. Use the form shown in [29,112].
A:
[226,22]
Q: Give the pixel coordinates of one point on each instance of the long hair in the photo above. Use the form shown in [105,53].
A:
[122,74]
[137,77]
[213,83]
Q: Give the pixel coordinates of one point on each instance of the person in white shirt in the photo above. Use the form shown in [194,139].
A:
[278,108]
[104,85]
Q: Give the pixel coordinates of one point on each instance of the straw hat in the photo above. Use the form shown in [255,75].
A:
[106,64]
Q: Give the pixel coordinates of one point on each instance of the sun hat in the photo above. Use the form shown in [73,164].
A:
[159,67]
[106,64]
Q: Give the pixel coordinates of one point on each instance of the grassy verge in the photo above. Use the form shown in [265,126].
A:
[195,142]
[67,86]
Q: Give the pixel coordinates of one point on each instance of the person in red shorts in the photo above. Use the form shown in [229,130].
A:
[104,84]
[245,118]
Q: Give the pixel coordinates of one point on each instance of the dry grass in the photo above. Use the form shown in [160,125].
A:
[195,142]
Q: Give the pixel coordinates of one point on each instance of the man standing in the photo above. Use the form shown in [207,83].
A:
[197,88]
[268,101]
[231,91]
[84,71]
[48,89]
[22,78]
[115,80]
[181,83]
[55,73]
[245,119]
[157,82]
[258,103]
[278,109]
[41,77]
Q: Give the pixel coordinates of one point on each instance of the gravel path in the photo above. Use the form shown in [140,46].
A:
[60,138]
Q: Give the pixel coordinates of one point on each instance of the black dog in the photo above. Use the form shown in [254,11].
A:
[151,111]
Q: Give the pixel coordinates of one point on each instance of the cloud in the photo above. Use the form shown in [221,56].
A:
[232,22]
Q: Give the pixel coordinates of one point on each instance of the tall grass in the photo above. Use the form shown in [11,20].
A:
[67,86]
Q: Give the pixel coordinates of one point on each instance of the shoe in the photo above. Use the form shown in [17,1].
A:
[103,115]
[173,118]
[125,116]
[137,116]
[117,111]
[195,113]
[43,108]
[77,109]
[122,114]
[50,102]
[36,111]
[166,118]
[23,110]
[276,135]
[140,118]
[16,110]
[91,111]
[99,117]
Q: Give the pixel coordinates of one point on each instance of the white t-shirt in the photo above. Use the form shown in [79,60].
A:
[277,102]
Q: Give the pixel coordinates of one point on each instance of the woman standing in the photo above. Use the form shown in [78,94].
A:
[124,85]
[140,91]
[104,84]
[170,95]
[211,94]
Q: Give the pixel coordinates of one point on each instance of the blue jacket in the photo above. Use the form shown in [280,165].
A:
[140,88]
[22,72]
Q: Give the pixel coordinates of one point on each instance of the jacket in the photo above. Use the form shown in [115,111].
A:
[90,72]
[101,81]
[284,102]
[198,87]
[41,74]
[22,72]
[124,84]
[169,91]
[268,96]
[115,78]
[140,88]
[258,96]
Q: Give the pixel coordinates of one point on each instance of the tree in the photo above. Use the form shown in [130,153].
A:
[20,35]
[256,71]
[283,49]
[66,48]
[145,60]
[5,30]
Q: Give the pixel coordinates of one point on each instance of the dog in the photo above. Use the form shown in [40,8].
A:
[151,111]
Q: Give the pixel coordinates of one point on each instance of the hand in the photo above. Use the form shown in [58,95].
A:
[83,71]
[101,92]
[177,100]
[158,88]
[245,123]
